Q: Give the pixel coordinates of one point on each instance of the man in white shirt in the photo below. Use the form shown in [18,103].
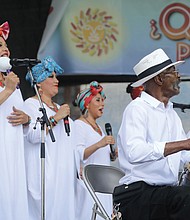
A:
[151,145]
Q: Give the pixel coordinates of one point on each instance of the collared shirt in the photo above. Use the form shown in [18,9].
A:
[146,127]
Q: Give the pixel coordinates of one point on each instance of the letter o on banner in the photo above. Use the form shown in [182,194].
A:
[165,24]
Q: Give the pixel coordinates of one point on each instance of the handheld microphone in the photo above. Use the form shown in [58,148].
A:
[66,123]
[24,62]
[109,132]
[5,66]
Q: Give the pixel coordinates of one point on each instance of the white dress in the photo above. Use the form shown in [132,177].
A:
[85,136]
[13,193]
[60,170]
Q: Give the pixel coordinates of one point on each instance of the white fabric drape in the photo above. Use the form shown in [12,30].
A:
[13,193]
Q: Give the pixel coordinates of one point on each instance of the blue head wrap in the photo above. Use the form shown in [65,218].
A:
[86,95]
[43,70]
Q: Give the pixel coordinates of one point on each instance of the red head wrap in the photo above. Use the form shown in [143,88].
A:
[86,95]
[94,90]
[134,91]
[4,30]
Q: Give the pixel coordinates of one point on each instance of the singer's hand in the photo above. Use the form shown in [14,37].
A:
[114,156]
[17,117]
[116,151]
[109,139]
[11,81]
[63,111]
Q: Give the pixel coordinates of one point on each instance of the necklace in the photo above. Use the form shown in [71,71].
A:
[96,128]
[52,107]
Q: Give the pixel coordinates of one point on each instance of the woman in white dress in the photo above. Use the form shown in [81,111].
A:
[13,193]
[92,146]
[60,171]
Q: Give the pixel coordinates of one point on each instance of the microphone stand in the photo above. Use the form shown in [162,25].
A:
[43,121]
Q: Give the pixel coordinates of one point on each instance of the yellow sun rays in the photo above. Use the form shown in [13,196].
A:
[94,32]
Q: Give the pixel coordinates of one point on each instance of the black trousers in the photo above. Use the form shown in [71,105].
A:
[140,201]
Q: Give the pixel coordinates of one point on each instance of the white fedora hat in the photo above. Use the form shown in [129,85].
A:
[151,65]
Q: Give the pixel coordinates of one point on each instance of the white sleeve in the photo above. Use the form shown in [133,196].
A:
[133,137]
[33,133]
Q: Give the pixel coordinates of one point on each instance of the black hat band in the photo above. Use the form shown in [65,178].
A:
[154,69]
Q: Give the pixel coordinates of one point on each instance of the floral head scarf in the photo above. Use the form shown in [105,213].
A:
[43,70]
[86,95]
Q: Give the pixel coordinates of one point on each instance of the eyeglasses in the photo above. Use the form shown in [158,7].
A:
[173,72]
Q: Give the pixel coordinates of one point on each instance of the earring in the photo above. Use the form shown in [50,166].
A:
[40,91]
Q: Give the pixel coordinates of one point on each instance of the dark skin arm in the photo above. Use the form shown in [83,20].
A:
[174,147]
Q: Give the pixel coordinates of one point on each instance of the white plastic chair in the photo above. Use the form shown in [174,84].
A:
[101,179]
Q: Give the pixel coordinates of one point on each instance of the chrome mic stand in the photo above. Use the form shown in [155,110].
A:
[43,121]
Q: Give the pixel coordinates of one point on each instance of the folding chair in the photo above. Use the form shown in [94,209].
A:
[101,179]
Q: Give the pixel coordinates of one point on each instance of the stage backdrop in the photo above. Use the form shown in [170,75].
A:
[111,36]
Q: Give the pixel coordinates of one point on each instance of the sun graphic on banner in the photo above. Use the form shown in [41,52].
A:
[94,32]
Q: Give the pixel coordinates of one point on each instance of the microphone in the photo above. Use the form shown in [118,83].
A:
[66,123]
[5,66]
[24,62]
[109,132]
